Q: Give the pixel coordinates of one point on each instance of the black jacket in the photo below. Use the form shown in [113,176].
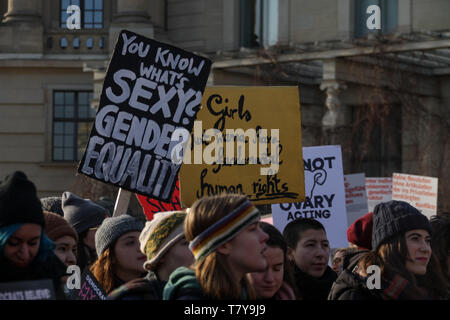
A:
[52,269]
[148,288]
[311,288]
[351,286]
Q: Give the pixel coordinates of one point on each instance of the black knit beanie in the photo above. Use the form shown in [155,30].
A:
[19,202]
[393,218]
[82,214]
[52,204]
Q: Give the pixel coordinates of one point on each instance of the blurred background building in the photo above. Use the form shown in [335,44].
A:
[383,95]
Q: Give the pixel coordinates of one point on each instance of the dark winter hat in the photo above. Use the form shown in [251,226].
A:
[57,227]
[52,204]
[395,217]
[82,214]
[19,202]
[360,232]
[106,203]
[112,228]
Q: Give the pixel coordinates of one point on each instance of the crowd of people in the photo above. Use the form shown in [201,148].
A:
[219,249]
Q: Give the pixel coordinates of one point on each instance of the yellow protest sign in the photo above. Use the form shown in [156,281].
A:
[246,140]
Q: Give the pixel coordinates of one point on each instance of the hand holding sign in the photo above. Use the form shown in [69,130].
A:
[90,289]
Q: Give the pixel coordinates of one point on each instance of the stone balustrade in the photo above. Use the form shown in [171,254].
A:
[77,42]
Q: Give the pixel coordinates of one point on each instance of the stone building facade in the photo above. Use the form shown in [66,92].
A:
[383,95]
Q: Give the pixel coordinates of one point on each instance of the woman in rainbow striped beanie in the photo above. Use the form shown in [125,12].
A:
[227,243]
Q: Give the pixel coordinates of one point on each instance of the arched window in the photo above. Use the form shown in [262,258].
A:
[89,43]
[63,43]
[76,43]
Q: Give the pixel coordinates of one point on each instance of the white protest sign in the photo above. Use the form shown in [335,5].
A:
[267,219]
[355,196]
[419,191]
[378,190]
[325,195]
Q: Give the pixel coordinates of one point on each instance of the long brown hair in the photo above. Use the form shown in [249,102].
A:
[103,270]
[211,271]
[276,240]
[391,257]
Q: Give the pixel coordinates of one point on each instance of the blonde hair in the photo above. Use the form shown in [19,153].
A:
[212,271]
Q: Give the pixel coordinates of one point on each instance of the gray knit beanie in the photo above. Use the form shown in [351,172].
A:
[112,228]
[82,214]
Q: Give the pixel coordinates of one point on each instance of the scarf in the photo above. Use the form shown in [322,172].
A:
[395,287]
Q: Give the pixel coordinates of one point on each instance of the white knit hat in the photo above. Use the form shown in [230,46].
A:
[160,234]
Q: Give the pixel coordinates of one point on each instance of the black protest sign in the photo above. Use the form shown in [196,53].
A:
[28,290]
[151,90]
[90,289]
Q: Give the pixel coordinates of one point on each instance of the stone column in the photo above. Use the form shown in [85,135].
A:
[23,11]
[132,11]
[334,115]
[22,27]
[131,15]
[336,123]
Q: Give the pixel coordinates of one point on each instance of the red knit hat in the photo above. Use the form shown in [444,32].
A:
[360,232]
[57,227]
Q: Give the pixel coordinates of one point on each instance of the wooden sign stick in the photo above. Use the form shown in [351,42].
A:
[122,202]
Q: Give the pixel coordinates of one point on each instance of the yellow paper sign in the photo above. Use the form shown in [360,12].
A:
[246,140]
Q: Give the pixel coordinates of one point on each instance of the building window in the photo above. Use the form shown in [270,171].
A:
[73,117]
[388,17]
[377,140]
[258,23]
[91,13]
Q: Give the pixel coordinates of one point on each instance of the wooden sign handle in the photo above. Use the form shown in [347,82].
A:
[122,202]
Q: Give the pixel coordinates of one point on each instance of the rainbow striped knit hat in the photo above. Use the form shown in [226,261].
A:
[224,230]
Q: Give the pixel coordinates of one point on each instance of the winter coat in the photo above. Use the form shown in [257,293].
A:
[86,256]
[352,286]
[311,288]
[52,268]
[148,288]
[183,285]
